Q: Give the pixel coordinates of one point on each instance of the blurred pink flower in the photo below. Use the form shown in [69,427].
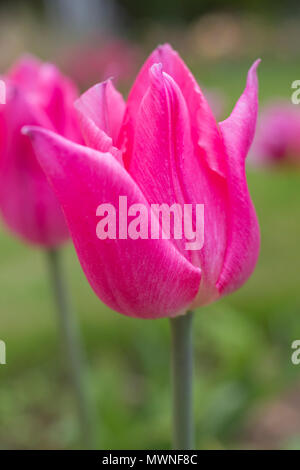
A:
[277,139]
[37,94]
[162,146]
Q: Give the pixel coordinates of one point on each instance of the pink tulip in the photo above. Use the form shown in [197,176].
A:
[162,146]
[278,136]
[37,94]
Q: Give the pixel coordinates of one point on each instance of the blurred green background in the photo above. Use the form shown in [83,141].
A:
[246,388]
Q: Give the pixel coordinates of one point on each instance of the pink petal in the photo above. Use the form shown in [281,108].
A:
[25,72]
[162,143]
[56,95]
[142,278]
[204,129]
[100,111]
[168,170]
[243,230]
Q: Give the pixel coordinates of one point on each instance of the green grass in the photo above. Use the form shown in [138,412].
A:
[242,343]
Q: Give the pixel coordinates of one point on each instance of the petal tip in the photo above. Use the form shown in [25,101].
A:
[164,50]
[31,131]
[252,73]
[156,73]
[98,87]
[155,69]
[165,46]
[27,130]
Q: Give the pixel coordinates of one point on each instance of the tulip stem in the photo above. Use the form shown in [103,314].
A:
[182,378]
[73,347]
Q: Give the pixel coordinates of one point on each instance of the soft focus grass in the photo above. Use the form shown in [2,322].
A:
[243,342]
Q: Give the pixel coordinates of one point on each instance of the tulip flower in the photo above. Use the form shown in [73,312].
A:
[38,94]
[163,146]
[278,136]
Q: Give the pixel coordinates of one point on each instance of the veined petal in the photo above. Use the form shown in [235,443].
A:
[168,170]
[204,130]
[162,143]
[100,110]
[142,278]
[243,230]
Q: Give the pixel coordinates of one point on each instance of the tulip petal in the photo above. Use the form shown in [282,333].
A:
[162,143]
[167,169]
[243,230]
[57,94]
[141,278]
[25,72]
[204,129]
[100,110]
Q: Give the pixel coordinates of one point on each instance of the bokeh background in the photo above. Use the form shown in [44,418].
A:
[247,391]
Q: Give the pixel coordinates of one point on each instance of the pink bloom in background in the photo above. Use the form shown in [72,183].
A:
[162,146]
[36,94]
[277,140]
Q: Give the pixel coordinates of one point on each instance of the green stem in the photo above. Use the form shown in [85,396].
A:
[182,375]
[73,348]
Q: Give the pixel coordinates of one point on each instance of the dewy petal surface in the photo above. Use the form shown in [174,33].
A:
[100,111]
[141,278]
[243,230]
